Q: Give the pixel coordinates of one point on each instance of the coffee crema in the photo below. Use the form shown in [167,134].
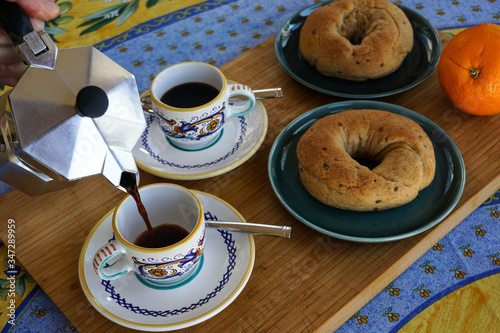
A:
[189,95]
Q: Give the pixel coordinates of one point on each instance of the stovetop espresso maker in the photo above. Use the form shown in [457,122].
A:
[74,113]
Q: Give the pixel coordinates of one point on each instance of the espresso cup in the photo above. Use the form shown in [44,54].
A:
[189,113]
[162,266]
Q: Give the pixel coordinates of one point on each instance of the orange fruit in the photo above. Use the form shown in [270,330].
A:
[469,70]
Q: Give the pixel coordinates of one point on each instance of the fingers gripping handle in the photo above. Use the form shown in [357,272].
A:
[16,23]
[236,91]
[35,49]
[109,263]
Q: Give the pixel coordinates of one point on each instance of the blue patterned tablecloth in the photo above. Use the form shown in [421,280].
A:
[218,31]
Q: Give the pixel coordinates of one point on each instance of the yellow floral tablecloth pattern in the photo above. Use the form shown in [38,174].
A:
[84,22]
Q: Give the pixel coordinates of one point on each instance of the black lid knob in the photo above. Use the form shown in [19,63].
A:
[92,101]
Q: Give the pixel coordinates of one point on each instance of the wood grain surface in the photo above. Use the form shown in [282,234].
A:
[306,283]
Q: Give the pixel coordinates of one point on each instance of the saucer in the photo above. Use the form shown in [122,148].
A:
[241,138]
[228,263]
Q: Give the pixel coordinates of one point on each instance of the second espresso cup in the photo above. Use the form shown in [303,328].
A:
[191,103]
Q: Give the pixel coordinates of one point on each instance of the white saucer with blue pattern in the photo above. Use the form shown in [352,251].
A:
[227,266]
[240,139]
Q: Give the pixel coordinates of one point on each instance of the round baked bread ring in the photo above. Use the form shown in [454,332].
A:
[328,169]
[356,39]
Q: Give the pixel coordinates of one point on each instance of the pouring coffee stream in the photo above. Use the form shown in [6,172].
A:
[128,181]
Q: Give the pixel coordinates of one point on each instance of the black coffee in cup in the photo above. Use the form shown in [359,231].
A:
[159,236]
[189,95]
[165,234]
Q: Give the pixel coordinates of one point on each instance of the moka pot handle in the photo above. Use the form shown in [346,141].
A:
[35,49]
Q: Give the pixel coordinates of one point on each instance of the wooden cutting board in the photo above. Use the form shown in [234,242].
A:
[309,282]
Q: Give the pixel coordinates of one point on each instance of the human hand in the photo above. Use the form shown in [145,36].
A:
[11,66]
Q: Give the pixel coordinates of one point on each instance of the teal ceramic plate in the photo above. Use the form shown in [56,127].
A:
[419,63]
[432,205]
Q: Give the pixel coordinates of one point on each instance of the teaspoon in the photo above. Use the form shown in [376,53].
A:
[253,228]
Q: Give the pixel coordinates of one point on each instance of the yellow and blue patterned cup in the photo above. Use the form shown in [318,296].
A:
[189,126]
[162,266]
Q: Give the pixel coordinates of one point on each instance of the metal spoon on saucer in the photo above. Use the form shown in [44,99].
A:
[147,104]
[253,228]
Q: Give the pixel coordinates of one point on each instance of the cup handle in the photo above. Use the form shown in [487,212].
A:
[104,256]
[240,90]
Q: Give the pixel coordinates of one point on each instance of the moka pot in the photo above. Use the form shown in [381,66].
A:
[74,113]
